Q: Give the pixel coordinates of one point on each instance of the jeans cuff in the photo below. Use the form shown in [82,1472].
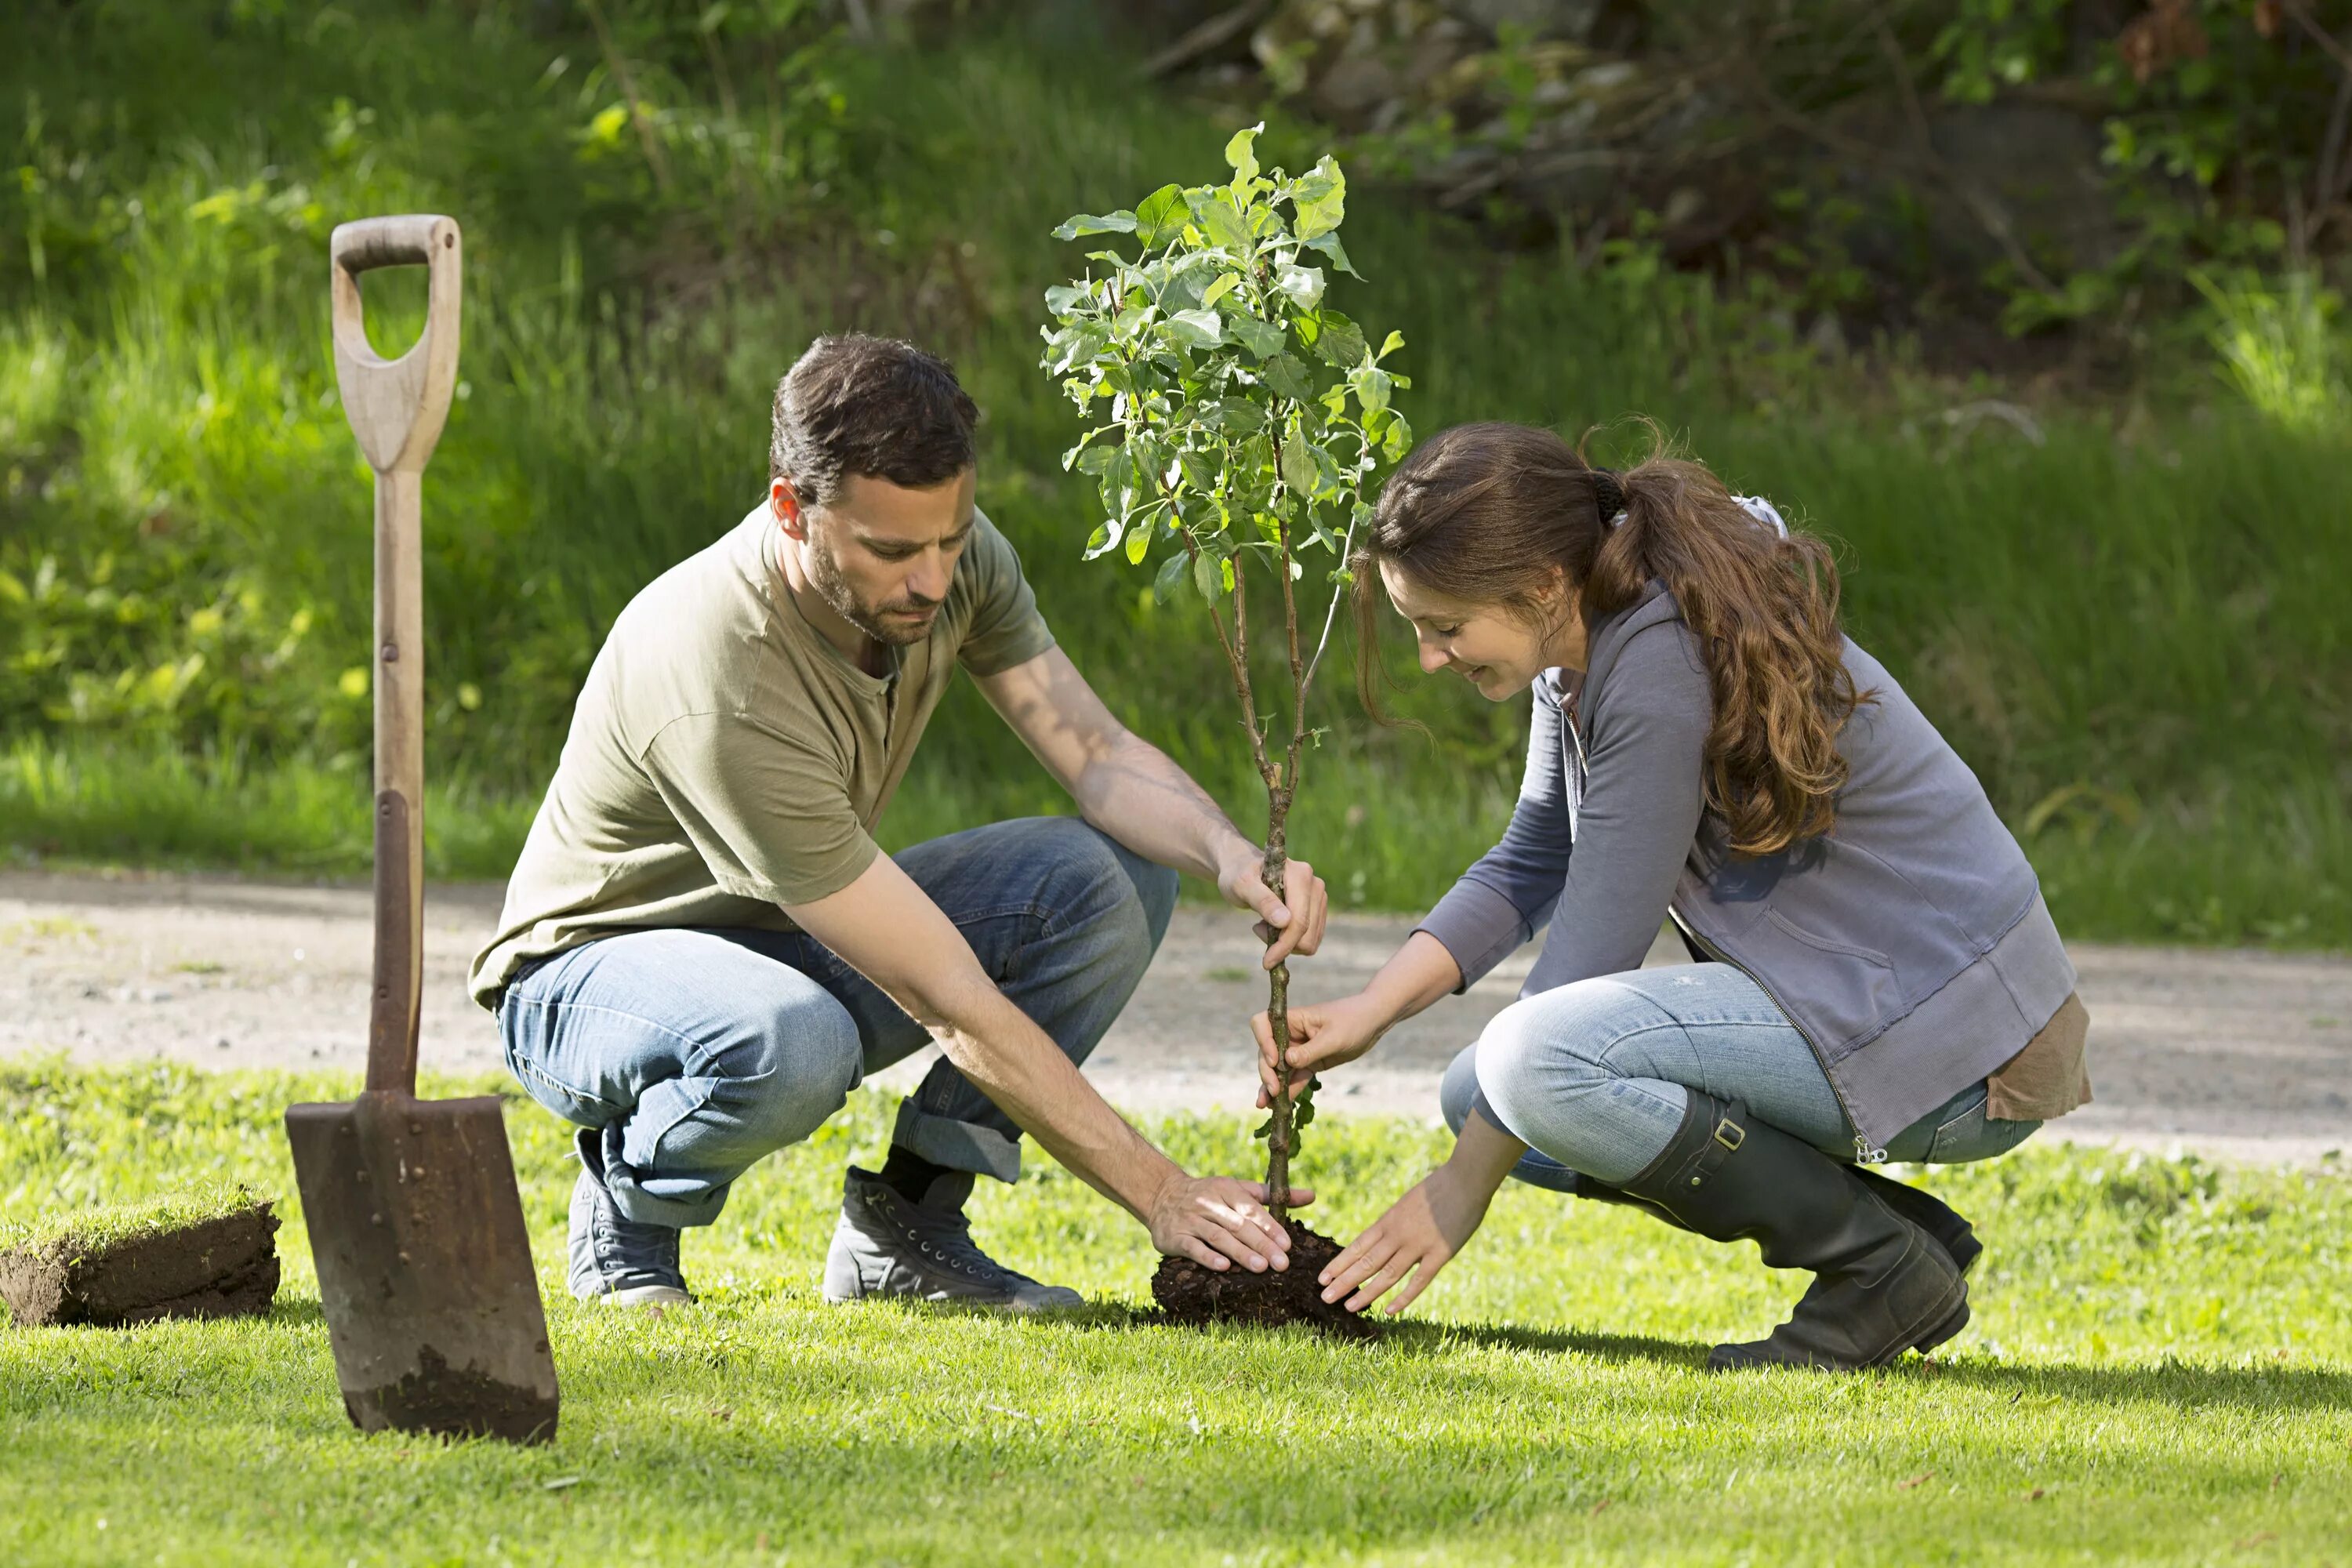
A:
[651,1208]
[957,1145]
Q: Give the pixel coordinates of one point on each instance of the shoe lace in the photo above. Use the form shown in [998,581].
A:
[947,1240]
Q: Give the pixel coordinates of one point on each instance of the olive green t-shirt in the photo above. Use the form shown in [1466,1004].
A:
[726,759]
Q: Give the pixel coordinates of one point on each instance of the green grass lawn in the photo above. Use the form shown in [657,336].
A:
[2161,1369]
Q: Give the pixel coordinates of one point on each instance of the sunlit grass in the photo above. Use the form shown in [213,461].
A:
[2160,1370]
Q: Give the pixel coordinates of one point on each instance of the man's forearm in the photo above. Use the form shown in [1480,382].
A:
[1137,794]
[1029,1079]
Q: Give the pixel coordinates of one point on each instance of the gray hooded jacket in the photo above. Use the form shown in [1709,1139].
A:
[1910,945]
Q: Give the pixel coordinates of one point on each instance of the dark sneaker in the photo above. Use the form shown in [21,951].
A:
[617,1261]
[886,1245]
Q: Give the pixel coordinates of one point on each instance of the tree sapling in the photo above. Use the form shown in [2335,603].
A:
[1234,422]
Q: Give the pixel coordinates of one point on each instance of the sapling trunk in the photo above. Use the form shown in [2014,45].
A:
[1279,1132]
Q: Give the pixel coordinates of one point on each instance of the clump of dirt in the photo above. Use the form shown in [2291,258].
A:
[226,1267]
[457,1402]
[1196,1296]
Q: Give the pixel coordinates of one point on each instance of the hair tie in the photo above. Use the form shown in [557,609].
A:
[1608,496]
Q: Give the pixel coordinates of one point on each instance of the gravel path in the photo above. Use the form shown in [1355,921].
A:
[2242,1056]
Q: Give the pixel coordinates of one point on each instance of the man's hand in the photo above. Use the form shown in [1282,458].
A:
[1292,923]
[1322,1036]
[1218,1221]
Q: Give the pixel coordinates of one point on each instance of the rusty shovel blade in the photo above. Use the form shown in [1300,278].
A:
[425,1266]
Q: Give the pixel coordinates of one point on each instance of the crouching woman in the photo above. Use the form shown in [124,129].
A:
[1879,978]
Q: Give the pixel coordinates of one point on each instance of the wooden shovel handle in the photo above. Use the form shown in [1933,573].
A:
[396,408]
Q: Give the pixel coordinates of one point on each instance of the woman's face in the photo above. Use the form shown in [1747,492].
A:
[1490,646]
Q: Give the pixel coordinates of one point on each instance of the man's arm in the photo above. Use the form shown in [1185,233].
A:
[1132,791]
[885,926]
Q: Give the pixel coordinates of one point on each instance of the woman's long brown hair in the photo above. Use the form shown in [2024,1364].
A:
[1482,513]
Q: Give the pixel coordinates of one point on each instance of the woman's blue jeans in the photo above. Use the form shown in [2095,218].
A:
[1592,1076]
[688,1055]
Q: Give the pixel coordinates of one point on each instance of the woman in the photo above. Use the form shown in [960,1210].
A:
[1884,979]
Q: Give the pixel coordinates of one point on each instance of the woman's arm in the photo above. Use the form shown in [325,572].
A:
[1427,1226]
[1645,759]
[1324,1035]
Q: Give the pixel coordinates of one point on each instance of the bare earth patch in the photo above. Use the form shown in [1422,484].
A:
[2233,1055]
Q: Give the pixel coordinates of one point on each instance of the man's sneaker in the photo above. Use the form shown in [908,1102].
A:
[886,1245]
[617,1261]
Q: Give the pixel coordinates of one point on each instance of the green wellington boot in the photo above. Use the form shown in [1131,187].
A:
[1883,1284]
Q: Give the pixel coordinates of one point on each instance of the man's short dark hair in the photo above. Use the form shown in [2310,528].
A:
[876,407]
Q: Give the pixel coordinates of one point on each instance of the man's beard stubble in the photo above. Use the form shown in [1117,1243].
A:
[835,588]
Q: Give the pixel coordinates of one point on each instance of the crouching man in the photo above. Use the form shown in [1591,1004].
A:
[703,950]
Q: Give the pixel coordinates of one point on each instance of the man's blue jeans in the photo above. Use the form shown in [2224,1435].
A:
[1592,1076]
[689,1054]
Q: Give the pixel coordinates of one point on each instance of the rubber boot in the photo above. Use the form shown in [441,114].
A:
[1882,1284]
[1951,1229]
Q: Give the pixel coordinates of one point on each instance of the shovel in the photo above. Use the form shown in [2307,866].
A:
[424,1263]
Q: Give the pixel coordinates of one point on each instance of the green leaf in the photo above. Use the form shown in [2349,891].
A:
[1160,216]
[1225,285]
[1170,577]
[1302,286]
[1103,538]
[1298,464]
[1394,342]
[1240,415]
[1339,340]
[1139,540]
[1097,459]
[1198,470]
[1370,387]
[1287,376]
[1119,222]
[1241,153]
[1063,297]
[1207,580]
[1261,338]
[1221,222]
[1398,440]
[1328,244]
[1319,200]
[1197,329]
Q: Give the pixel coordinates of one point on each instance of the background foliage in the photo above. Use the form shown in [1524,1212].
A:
[2120,599]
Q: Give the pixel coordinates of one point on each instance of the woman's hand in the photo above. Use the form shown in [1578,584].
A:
[1428,1226]
[1419,1235]
[1322,1035]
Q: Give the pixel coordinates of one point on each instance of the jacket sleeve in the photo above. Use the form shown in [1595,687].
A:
[1645,793]
[1500,902]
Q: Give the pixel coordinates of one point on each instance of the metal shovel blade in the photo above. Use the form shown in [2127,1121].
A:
[425,1266]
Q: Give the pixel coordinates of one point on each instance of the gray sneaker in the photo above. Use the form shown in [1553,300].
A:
[617,1260]
[885,1245]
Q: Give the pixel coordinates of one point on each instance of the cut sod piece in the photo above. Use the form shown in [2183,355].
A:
[205,1253]
[1195,1296]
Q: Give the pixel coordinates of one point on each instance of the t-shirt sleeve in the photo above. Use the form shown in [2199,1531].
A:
[1005,628]
[768,814]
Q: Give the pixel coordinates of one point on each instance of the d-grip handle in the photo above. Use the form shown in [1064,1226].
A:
[396,407]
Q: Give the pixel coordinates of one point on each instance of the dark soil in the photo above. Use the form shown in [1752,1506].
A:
[223,1268]
[457,1402]
[1195,1296]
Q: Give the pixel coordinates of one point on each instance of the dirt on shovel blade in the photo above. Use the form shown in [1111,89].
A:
[226,1267]
[1195,1296]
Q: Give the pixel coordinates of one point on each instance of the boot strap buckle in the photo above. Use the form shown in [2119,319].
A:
[1729,1133]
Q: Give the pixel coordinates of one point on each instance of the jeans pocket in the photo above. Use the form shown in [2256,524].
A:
[1973,1136]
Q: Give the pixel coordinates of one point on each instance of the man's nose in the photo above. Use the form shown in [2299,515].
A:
[929,581]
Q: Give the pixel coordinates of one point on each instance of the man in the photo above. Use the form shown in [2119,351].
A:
[703,950]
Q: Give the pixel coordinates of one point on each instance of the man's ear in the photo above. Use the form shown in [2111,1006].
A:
[785,502]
